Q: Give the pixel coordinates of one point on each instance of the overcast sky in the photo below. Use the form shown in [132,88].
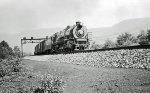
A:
[24,15]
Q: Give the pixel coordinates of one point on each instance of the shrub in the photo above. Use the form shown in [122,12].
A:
[19,78]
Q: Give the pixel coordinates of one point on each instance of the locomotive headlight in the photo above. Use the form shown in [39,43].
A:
[80,32]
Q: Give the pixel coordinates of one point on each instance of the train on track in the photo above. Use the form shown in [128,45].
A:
[70,39]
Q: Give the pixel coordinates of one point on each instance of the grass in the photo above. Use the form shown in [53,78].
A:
[16,77]
[85,79]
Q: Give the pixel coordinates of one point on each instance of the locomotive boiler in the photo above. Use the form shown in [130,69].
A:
[71,38]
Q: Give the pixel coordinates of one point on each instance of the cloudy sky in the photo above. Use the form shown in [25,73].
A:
[23,15]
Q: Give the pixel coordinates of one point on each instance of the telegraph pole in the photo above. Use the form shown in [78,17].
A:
[21,48]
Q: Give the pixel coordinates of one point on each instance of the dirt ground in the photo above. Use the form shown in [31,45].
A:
[85,79]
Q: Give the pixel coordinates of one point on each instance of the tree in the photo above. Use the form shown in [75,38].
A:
[94,45]
[109,44]
[5,50]
[142,38]
[126,39]
[148,35]
[4,44]
[17,51]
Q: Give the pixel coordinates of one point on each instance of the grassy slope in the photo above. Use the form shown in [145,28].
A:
[84,79]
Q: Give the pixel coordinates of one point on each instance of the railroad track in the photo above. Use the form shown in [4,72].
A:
[119,48]
[108,49]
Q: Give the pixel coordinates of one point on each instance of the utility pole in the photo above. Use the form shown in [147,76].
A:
[22,48]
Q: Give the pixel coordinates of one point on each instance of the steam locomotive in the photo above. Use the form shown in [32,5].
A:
[71,38]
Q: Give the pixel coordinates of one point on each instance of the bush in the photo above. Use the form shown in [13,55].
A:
[142,38]
[109,44]
[126,39]
[6,52]
[18,78]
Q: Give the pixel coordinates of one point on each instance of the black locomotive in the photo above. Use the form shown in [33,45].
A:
[71,38]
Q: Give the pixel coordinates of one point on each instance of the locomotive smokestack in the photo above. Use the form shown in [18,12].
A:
[78,23]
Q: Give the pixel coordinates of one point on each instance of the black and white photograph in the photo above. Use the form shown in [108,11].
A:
[74,46]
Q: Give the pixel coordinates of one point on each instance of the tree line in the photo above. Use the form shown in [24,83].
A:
[6,52]
[125,39]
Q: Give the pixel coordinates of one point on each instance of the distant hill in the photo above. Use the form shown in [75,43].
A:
[133,26]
